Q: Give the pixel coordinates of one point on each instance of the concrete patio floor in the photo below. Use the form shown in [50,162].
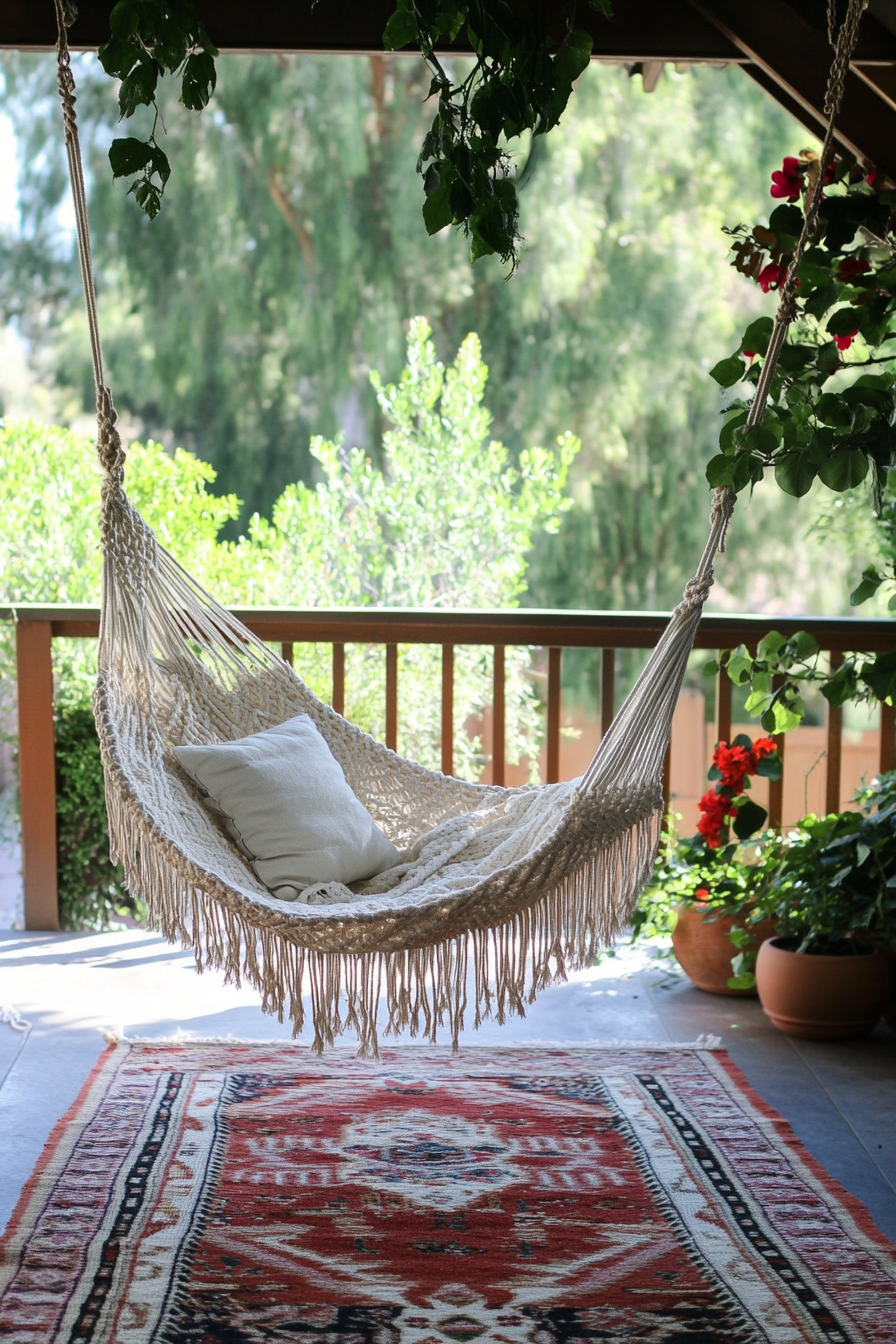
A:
[840,1098]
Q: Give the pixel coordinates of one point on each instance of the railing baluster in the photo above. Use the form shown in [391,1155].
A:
[776,786]
[447,709]
[37,773]
[286,653]
[498,745]
[392,696]
[723,706]
[338,700]
[887,735]
[607,689]
[834,747]
[553,751]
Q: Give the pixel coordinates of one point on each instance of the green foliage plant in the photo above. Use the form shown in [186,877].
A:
[831,411]
[732,880]
[91,888]
[516,85]
[833,890]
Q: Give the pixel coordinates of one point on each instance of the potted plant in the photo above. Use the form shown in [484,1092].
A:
[707,891]
[827,975]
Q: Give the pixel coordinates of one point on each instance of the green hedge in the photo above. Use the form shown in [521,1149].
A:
[91,889]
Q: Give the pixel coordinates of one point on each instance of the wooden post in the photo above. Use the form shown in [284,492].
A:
[607,689]
[553,748]
[776,786]
[339,678]
[835,747]
[286,653]
[498,745]
[447,709]
[37,773]
[887,744]
[392,697]
[723,706]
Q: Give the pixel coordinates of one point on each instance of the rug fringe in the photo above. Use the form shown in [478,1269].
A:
[706,1041]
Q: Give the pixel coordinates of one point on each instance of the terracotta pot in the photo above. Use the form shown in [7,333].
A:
[821,998]
[704,950]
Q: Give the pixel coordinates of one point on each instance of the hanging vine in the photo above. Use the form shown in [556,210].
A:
[517,85]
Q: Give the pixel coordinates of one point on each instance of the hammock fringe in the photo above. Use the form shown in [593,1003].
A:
[419,990]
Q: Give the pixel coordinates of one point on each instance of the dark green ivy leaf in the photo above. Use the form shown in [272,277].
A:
[129,156]
[748,819]
[846,468]
[728,371]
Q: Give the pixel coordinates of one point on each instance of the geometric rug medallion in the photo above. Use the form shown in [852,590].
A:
[246,1194]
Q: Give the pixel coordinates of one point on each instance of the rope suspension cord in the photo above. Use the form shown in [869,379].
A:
[516,885]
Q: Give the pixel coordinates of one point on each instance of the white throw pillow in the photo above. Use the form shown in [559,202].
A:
[285,800]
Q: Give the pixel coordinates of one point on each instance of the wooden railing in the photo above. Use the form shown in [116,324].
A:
[554,631]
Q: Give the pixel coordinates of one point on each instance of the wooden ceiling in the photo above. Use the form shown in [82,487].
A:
[782,44]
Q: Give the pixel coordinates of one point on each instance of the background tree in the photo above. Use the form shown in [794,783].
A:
[289,256]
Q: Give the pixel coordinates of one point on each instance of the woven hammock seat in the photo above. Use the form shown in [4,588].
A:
[500,890]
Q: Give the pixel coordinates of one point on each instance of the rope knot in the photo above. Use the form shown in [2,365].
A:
[108,441]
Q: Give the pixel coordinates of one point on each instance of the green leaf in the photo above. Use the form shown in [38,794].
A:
[728,371]
[832,409]
[784,720]
[437,211]
[748,819]
[771,644]
[129,156]
[880,675]
[804,644]
[718,470]
[786,219]
[847,468]
[794,473]
[770,767]
[400,30]
[870,582]
[199,80]
[745,980]
[739,666]
[847,320]
[757,335]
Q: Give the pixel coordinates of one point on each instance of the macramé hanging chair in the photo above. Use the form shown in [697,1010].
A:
[523,883]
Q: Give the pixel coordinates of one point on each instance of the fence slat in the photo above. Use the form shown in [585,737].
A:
[498,717]
[607,689]
[776,786]
[553,748]
[887,735]
[447,709]
[392,696]
[339,678]
[834,747]
[37,773]
[723,706]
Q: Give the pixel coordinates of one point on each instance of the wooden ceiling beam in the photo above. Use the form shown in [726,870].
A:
[791,59]
[643,30]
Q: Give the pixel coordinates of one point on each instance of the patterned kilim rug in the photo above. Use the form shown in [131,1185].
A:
[240,1194]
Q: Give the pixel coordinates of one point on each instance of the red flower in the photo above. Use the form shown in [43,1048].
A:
[701,893]
[844,342]
[714,808]
[851,266]
[871,179]
[829,174]
[772,276]
[787,181]
[749,354]
[763,746]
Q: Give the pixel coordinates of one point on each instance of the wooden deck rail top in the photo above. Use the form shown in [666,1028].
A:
[38,624]
[522,625]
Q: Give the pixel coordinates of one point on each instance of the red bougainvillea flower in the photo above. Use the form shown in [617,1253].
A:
[701,893]
[844,342]
[787,181]
[749,355]
[772,276]
[714,808]
[851,266]
[871,179]
[829,174]
[733,764]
